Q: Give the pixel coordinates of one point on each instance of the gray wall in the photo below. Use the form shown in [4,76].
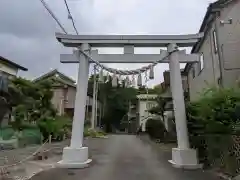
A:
[207,76]
[230,43]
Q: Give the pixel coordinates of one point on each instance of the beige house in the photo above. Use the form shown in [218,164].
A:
[64,90]
[9,68]
[220,49]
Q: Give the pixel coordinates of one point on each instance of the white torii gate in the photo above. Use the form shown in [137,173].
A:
[76,156]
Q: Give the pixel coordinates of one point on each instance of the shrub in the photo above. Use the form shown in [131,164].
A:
[212,120]
[217,111]
[88,132]
[87,123]
[57,126]
[155,129]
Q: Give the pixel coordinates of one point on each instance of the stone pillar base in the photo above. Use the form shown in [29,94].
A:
[185,158]
[74,158]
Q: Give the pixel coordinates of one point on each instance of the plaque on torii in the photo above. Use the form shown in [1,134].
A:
[77,156]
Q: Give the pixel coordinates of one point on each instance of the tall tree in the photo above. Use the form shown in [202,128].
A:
[30,101]
[115,100]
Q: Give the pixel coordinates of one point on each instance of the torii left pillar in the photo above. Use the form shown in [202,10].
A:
[76,156]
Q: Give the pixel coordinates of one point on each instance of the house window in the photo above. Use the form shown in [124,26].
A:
[193,72]
[150,105]
[215,41]
[201,63]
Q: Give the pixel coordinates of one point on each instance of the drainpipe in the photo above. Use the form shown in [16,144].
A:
[217,23]
[219,47]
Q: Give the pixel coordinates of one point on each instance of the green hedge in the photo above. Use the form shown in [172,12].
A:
[30,135]
[218,151]
[213,121]
[6,132]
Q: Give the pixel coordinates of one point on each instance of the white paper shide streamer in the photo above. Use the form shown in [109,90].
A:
[127,82]
[139,80]
[101,76]
[114,80]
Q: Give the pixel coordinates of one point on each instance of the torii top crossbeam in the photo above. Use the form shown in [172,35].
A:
[135,40]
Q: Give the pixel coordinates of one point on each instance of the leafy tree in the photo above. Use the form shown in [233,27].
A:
[115,100]
[19,115]
[217,111]
[30,101]
[158,89]
[155,129]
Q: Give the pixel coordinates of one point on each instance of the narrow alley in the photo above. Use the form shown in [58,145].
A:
[123,157]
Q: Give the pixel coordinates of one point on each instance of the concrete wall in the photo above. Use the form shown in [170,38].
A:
[70,97]
[58,100]
[65,98]
[229,35]
[8,69]
[71,94]
[230,43]
[207,76]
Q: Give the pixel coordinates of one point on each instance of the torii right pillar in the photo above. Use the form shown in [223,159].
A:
[182,156]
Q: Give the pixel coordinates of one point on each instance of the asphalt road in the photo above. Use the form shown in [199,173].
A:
[122,157]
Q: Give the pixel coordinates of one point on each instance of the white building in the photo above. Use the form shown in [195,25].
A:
[145,102]
[9,68]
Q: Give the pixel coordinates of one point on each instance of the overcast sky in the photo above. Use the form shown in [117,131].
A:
[27,31]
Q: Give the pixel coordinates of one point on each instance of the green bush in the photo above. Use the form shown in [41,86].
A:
[6,132]
[217,111]
[212,120]
[31,135]
[28,126]
[155,129]
[88,132]
[27,135]
[56,127]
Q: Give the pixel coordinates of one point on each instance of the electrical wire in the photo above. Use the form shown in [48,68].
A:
[53,16]
[70,16]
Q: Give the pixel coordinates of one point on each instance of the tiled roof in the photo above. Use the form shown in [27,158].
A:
[147,96]
[54,72]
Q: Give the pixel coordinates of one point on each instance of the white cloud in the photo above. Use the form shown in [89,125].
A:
[27,30]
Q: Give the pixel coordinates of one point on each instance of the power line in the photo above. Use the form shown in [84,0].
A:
[70,16]
[53,16]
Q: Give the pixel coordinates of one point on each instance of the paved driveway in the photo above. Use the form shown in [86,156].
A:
[122,157]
